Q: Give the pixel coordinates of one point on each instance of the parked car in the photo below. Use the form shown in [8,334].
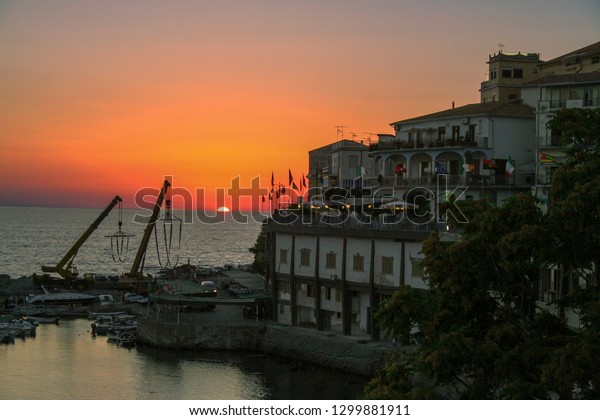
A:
[210,288]
[107,300]
[134,298]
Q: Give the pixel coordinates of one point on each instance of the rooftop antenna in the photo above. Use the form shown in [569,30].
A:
[340,130]
[501,45]
[369,138]
[353,135]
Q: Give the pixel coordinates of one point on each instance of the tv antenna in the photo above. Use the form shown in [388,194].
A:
[340,131]
[369,138]
[353,134]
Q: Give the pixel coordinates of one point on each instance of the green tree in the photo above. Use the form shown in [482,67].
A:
[259,264]
[480,330]
[479,333]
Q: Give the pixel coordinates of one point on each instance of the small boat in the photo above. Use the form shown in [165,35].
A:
[7,338]
[116,331]
[19,327]
[96,315]
[127,340]
[60,298]
[44,319]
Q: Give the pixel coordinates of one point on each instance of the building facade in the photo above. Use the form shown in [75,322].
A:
[332,274]
[470,145]
[507,72]
[569,81]
[332,277]
[340,164]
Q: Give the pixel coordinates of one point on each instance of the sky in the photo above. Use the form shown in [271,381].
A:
[109,97]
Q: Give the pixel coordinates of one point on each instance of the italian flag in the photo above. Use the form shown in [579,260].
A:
[510,166]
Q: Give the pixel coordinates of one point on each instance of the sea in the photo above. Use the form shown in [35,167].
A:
[65,362]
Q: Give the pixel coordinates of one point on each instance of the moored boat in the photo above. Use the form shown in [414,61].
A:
[60,298]
[116,331]
[44,319]
[127,340]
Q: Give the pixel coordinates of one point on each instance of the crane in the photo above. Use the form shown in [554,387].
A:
[134,279]
[65,267]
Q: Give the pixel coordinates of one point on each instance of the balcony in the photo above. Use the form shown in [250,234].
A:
[409,145]
[521,180]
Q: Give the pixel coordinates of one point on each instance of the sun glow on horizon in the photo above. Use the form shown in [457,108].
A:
[105,98]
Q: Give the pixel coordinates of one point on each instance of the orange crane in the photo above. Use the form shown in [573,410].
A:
[135,280]
[65,268]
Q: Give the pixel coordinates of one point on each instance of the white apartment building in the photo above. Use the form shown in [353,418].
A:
[470,144]
[340,164]
[333,277]
[569,81]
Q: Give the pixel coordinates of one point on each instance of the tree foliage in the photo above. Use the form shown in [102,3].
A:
[259,264]
[480,329]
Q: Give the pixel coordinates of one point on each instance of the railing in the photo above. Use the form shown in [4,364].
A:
[517,180]
[398,221]
[478,142]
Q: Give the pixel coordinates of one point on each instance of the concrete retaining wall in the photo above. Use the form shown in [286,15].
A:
[348,354]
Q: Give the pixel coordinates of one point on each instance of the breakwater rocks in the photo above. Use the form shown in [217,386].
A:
[349,354]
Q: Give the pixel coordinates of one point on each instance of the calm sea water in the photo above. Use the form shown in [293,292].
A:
[32,237]
[65,362]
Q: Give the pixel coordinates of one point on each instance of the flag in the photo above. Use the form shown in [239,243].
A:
[360,171]
[490,164]
[291,177]
[440,168]
[546,158]
[510,167]
[399,169]
[272,179]
[468,167]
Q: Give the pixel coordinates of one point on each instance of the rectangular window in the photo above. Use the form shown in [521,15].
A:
[518,73]
[328,293]
[507,73]
[442,134]
[551,278]
[310,291]
[305,257]
[284,286]
[455,132]
[338,295]
[596,59]
[387,265]
[358,263]
[417,270]
[283,256]
[330,260]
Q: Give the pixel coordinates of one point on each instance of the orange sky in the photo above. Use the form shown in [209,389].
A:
[99,98]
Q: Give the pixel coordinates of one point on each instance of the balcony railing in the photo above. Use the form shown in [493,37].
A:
[478,142]
[471,180]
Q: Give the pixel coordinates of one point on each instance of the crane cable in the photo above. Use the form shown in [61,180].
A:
[167,221]
[119,241]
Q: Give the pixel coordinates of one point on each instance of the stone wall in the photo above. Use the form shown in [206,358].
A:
[338,352]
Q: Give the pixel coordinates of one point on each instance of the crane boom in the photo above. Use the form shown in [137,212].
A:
[64,266]
[136,268]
